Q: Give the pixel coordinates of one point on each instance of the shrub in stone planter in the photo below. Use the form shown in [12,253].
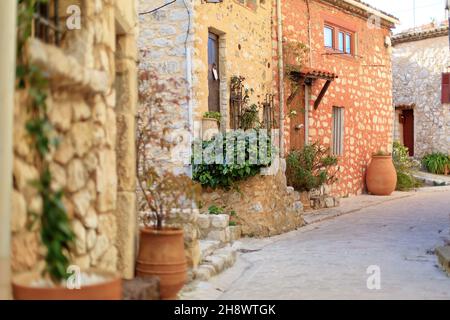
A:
[311,167]
[241,154]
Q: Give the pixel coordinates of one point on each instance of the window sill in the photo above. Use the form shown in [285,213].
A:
[336,53]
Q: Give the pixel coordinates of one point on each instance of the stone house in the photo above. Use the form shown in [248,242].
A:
[91,103]
[421,60]
[204,44]
[338,82]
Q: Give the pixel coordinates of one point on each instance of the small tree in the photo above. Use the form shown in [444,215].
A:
[311,167]
[161,190]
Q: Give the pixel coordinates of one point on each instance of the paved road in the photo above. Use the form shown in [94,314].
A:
[329,260]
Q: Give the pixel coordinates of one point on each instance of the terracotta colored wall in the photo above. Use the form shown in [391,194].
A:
[364,88]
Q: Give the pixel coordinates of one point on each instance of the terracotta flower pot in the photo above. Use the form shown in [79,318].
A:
[210,127]
[161,254]
[381,177]
[109,289]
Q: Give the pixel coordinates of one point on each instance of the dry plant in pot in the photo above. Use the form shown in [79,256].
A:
[161,247]
[59,280]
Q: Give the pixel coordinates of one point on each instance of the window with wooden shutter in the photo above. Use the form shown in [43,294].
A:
[213,73]
[338,131]
[446,88]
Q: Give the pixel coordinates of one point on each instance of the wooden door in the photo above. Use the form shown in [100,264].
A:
[408,130]
[213,73]
[296,113]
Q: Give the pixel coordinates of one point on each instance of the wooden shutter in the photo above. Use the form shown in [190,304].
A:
[213,83]
[446,88]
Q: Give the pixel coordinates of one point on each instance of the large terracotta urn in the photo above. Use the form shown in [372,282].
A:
[161,254]
[381,177]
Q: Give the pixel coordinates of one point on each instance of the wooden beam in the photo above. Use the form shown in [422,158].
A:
[322,94]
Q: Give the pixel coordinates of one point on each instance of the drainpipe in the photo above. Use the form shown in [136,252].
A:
[307,89]
[8,14]
[280,75]
[190,13]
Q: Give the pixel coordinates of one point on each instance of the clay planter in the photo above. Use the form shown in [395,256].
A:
[109,289]
[210,127]
[381,177]
[161,254]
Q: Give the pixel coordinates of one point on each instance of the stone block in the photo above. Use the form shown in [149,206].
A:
[204,272]
[220,221]
[218,235]
[19,212]
[443,255]
[329,202]
[203,221]
[235,233]
[106,179]
[142,288]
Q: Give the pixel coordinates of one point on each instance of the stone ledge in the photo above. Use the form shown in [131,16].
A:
[64,70]
[443,254]
[141,289]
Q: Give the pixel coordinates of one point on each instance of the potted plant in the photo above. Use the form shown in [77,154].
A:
[161,192]
[161,251]
[381,176]
[210,124]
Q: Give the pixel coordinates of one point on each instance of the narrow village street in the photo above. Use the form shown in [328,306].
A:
[329,259]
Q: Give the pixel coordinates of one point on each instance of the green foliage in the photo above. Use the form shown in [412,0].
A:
[232,223]
[213,115]
[311,167]
[404,167]
[215,210]
[233,214]
[238,166]
[250,117]
[437,162]
[56,233]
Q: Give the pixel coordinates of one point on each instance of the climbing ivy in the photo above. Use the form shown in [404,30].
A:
[56,232]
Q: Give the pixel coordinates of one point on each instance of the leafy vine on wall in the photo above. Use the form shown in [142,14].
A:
[56,232]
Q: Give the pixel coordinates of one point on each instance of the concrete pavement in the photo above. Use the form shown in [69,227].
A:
[329,259]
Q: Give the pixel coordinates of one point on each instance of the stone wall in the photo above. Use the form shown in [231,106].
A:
[363,88]
[418,68]
[264,205]
[93,116]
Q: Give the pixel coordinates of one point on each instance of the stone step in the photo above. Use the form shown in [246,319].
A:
[443,254]
[207,247]
[215,263]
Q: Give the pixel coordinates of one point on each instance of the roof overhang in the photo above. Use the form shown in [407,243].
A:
[308,76]
[368,9]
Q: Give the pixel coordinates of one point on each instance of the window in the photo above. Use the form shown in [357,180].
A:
[339,39]
[46,22]
[328,31]
[338,131]
[348,43]
[213,73]
[445,88]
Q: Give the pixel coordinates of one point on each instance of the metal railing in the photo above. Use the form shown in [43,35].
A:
[47,22]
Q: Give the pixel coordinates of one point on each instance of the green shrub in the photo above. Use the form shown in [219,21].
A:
[404,166]
[250,117]
[211,174]
[215,210]
[436,162]
[310,167]
[213,115]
